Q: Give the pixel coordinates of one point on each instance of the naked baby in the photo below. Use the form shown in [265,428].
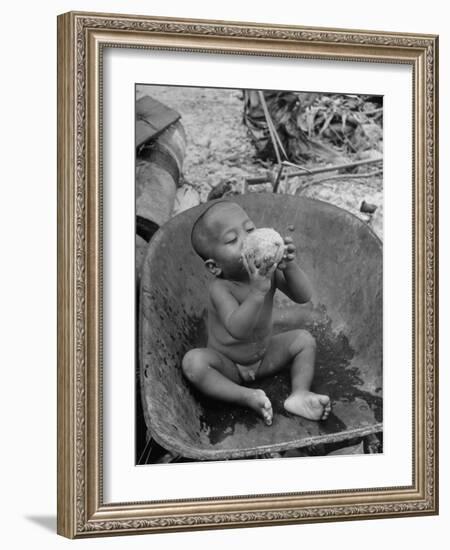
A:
[241,345]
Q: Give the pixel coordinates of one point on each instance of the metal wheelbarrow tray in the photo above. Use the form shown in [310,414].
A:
[343,258]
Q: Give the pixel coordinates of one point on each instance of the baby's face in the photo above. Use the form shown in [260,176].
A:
[229,225]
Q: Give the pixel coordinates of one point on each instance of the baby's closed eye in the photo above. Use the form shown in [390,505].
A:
[231,240]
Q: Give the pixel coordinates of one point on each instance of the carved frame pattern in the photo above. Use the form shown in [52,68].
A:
[81,39]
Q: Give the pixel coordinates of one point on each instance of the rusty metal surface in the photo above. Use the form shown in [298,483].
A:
[158,169]
[152,118]
[343,258]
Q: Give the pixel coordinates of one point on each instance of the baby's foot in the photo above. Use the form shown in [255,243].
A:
[310,405]
[260,403]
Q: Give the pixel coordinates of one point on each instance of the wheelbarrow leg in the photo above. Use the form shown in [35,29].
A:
[372,444]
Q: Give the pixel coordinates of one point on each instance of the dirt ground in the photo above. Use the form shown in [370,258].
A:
[219,150]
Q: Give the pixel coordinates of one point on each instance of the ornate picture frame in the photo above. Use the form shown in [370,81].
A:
[82,40]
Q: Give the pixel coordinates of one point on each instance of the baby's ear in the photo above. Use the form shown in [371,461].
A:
[213,268]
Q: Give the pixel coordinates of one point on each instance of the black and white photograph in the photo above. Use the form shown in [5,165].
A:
[259,269]
[226,248]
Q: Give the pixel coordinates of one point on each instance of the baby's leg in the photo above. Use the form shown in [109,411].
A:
[298,347]
[216,376]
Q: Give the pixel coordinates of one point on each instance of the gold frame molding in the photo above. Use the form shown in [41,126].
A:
[81,39]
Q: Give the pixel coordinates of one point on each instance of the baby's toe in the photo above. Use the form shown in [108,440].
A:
[326,412]
[268,412]
[268,417]
[324,400]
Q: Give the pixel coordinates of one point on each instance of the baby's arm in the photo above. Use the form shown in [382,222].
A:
[291,279]
[241,319]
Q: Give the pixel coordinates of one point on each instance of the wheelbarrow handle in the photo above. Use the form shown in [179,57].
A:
[257,180]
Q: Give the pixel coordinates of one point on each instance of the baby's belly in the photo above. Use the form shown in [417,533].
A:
[244,353]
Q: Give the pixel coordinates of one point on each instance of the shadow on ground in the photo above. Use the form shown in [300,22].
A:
[46,522]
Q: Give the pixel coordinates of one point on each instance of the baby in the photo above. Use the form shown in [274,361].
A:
[241,346]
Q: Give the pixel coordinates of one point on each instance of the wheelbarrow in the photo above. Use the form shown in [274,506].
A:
[343,258]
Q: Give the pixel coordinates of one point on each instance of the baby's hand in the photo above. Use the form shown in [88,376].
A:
[289,255]
[259,281]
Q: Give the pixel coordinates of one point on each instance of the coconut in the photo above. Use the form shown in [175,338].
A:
[265,246]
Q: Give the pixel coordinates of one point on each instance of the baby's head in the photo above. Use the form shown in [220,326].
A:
[218,235]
